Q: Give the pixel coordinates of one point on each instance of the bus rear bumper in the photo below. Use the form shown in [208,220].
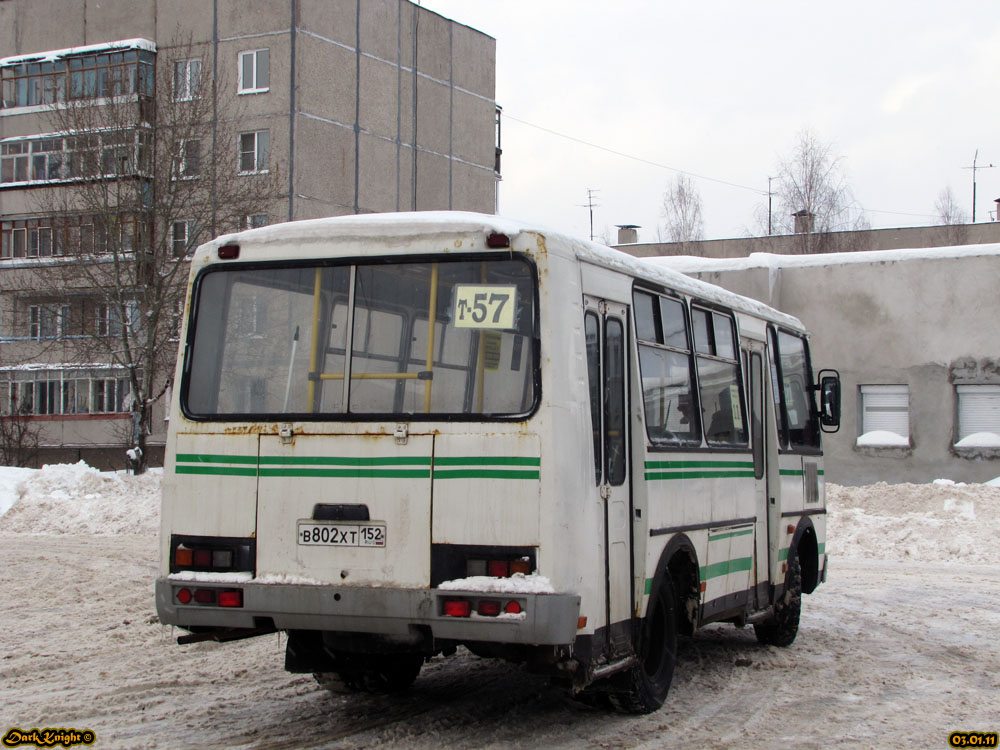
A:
[544,619]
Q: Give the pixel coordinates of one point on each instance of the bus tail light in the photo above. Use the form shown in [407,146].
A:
[498,568]
[488,608]
[184,596]
[204,596]
[512,608]
[232,598]
[457,608]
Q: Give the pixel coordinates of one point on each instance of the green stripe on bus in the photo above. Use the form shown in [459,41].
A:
[207,458]
[719,569]
[346,460]
[729,535]
[657,475]
[485,474]
[358,472]
[226,471]
[699,464]
[797,472]
[487,461]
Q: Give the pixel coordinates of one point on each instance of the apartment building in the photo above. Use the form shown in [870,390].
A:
[308,108]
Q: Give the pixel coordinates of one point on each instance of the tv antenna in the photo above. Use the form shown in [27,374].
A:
[590,205]
[974,169]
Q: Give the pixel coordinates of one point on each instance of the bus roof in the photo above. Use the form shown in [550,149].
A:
[306,237]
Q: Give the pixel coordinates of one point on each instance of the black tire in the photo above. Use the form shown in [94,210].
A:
[372,673]
[782,628]
[644,687]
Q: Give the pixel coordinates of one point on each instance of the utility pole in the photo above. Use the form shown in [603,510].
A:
[590,205]
[974,168]
[769,194]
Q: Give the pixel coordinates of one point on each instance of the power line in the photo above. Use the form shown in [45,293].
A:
[685,172]
[633,157]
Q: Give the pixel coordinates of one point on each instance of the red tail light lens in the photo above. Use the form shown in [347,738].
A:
[230,598]
[202,558]
[204,596]
[184,596]
[488,608]
[520,566]
[457,608]
[512,608]
[498,568]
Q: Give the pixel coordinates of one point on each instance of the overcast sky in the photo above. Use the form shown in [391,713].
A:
[905,93]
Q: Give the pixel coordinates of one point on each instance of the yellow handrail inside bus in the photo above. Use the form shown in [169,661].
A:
[314,354]
[431,312]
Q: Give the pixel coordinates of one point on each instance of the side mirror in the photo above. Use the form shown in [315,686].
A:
[829,400]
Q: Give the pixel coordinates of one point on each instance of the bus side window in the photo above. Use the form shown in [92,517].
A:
[719,379]
[665,366]
[592,329]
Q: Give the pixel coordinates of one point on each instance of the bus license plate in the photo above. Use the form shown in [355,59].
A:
[342,534]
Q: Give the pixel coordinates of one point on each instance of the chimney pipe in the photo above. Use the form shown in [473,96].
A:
[627,234]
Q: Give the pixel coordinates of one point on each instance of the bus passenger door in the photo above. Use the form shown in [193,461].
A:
[759,433]
[607,344]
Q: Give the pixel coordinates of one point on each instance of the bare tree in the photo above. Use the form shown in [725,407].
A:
[682,212]
[952,219]
[19,437]
[149,176]
[813,197]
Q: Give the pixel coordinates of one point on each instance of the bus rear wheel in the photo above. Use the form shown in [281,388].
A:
[644,687]
[781,629]
[373,673]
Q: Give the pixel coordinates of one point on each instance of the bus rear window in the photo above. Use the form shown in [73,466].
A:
[426,339]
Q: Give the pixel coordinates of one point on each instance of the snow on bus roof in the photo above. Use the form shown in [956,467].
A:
[694,264]
[426,223]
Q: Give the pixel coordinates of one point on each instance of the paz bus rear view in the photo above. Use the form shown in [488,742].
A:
[394,435]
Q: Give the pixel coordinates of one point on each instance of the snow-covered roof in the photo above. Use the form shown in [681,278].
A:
[57,54]
[692,264]
[430,223]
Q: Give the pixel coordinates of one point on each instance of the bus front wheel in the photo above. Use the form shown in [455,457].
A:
[783,626]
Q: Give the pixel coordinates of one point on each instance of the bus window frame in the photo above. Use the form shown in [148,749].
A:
[348,262]
[785,445]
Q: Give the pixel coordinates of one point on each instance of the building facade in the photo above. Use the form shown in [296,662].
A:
[911,333]
[338,106]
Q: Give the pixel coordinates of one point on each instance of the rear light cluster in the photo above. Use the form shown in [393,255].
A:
[482,607]
[188,558]
[498,568]
[209,597]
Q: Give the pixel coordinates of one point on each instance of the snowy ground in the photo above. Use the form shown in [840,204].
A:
[898,649]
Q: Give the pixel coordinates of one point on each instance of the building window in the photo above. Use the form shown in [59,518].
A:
[254,151]
[188,159]
[58,158]
[885,415]
[978,416]
[77,74]
[255,71]
[48,321]
[181,237]
[187,74]
[253,221]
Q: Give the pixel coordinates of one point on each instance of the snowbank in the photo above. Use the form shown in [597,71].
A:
[882,439]
[940,522]
[77,499]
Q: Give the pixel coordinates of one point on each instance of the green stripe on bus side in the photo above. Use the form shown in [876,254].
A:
[729,535]
[487,461]
[719,569]
[485,474]
[699,464]
[227,471]
[346,460]
[358,472]
[797,472]
[207,458]
[658,475]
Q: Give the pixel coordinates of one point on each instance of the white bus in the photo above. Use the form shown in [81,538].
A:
[394,435]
